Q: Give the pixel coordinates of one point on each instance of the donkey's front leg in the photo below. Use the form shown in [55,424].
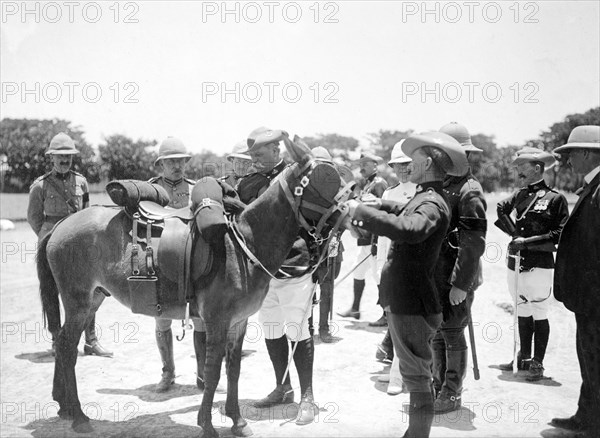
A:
[234,356]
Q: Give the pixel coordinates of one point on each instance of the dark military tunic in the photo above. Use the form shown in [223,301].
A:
[416,230]
[255,184]
[459,264]
[54,196]
[179,191]
[542,212]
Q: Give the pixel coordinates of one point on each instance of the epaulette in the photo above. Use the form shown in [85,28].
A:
[76,173]
[40,178]
[189,181]
[154,179]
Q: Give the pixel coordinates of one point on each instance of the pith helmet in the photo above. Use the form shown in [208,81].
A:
[442,141]
[239,152]
[322,154]
[461,134]
[369,156]
[398,156]
[529,154]
[61,144]
[171,147]
[582,137]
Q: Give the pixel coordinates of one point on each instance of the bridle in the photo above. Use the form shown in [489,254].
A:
[295,198]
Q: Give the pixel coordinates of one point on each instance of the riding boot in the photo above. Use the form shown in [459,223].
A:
[92,346]
[354,311]
[200,349]
[541,335]
[449,399]
[526,329]
[304,359]
[439,361]
[385,350]
[420,415]
[164,340]
[278,353]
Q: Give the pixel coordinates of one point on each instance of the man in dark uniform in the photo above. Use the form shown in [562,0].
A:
[458,275]
[417,230]
[172,158]
[285,305]
[541,214]
[577,276]
[54,196]
[374,185]
[240,164]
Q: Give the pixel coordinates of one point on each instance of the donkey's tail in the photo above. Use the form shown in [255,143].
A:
[48,289]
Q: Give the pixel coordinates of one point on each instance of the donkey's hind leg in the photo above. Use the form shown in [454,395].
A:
[234,356]
[76,318]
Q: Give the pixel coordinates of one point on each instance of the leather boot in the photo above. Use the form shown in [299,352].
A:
[200,349]
[438,347]
[449,399]
[92,347]
[420,415]
[354,311]
[385,350]
[164,340]
[304,359]
[278,353]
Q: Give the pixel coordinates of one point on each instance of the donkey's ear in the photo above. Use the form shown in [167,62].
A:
[299,151]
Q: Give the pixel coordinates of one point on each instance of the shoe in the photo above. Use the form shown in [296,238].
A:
[281,395]
[381,322]
[384,378]
[350,313]
[308,410]
[394,389]
[327,338]
[95,349]
[571,423]
[522,365]
[167,379]
[536,371]
[446,403]
[383,355]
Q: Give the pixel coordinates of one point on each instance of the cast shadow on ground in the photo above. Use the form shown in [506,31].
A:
[363,325]
[521,377]
[150,425]
[285,413]
[462,419]
[147,393]
[37,357]
[557,433]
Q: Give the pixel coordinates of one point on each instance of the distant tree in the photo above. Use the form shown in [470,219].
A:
[25,141]
[122,158]
[383,141]
[207,163]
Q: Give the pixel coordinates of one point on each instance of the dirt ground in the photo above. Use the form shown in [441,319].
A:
[117,394]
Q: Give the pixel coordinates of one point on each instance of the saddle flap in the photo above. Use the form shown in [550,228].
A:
[151,210]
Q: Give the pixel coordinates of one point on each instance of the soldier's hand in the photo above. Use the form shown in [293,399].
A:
[517,244]
[371,200]
[457,295]
[352,204]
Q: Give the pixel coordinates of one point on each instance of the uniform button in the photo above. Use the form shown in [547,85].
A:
[360,223]
[354,222]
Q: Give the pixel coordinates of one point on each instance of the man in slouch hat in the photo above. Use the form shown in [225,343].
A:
[54,196]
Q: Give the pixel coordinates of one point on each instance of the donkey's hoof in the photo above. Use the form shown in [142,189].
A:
[64,414]
[82,426]
[242,430]
[208,432]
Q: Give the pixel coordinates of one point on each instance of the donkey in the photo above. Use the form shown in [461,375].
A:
[252,251]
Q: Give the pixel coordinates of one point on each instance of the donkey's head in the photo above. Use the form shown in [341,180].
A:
[314,188]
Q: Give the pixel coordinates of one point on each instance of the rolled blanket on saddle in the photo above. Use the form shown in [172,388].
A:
[207,204]
[128,193]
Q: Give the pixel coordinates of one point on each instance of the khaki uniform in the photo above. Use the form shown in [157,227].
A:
[53,197]
[179,191]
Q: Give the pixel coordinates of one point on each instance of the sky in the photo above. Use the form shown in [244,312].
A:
[210,72]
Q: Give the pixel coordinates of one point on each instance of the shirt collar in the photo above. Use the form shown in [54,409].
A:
[173,183]
[534,187]
[435,185]
[61,176]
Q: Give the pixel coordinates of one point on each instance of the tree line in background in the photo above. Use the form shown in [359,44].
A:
[23,143]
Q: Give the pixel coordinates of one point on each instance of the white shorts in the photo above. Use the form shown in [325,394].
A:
[369,265]
[536,287]
[286,308]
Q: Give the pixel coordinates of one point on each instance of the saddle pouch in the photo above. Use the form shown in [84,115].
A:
[128,193]
[143,296]
[207,203]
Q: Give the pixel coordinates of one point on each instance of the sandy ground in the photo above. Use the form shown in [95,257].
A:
[117,394]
